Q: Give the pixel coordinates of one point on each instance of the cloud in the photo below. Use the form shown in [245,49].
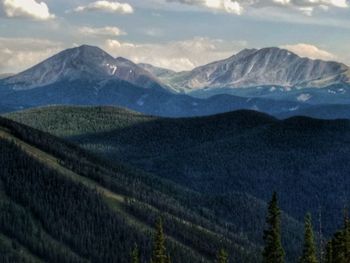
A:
[18,54]
[107,31]
[310,51]
[229,6]
[106,6]
[238,6]
[26,9]
[176,55]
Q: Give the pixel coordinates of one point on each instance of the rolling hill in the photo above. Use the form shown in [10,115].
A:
[244,152]
[62,204]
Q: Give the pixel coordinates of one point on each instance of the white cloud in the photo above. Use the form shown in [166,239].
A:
[229,6]
[106,6]
[18,54]
[176,55]
[107,31]
[310,51]
[26,9]
[238,6]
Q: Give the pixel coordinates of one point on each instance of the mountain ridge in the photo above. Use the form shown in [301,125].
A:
[259,67]
[247,68]
[87,75]
[84,63]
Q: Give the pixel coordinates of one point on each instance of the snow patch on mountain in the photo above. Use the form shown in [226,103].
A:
[304,97]
[266,67]
[85,63]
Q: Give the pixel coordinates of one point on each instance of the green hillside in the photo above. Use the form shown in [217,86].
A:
[61,204]
[229,159]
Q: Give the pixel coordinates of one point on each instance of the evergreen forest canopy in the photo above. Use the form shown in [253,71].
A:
[201,224]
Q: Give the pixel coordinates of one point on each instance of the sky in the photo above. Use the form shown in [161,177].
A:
[175,34]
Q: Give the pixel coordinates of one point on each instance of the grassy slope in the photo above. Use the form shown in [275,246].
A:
[137,211]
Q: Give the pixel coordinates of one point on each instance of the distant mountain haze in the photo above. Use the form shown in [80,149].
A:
[267,66]
[5,75]
[270,80]
[82,63]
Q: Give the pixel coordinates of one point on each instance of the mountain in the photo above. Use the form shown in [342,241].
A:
[87,75]
[335,94]
[305,160]
[267,66]
[124,94]
[6,75]
[84,63]
[59,203]
[322,112]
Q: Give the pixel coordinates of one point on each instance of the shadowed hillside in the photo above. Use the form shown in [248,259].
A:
[228,160]
[61,204]
[239,152]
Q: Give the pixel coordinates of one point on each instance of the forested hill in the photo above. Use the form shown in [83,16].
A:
[230,160]
[61,204]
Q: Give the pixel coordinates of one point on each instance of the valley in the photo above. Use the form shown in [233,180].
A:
[174,131]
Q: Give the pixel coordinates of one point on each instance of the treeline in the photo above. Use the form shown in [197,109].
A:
[337,249]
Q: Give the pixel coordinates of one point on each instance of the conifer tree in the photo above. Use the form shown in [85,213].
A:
[341,243]
[338,250]
[347,239]
[135,255]
[329,252]
[273,251]
[222,256]
[309,251]
[159,254]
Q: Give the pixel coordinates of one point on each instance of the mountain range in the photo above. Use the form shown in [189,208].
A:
[84,181]
[270,80]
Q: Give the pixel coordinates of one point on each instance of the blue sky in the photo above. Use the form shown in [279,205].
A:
[177,34]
